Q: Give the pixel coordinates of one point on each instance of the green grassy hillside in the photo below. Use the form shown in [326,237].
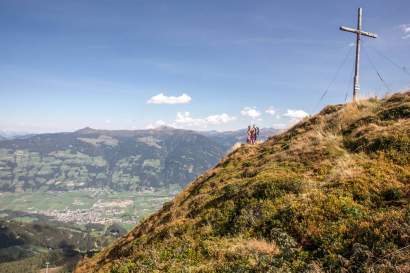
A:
[330,194]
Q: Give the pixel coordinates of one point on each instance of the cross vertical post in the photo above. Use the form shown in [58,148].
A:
[356,84]
[359,33]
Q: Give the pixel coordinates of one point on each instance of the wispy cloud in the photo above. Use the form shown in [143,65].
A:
[270,111]
[250,112]
[405,29]
[163,99]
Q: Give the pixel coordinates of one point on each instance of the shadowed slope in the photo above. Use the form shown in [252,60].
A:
[330,193]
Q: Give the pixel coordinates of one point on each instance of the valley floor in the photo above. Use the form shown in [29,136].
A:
[84,219]
[97,206]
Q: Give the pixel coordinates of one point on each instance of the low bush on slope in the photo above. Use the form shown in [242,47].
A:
[330,194]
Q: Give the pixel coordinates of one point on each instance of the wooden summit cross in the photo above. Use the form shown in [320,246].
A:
[359,33]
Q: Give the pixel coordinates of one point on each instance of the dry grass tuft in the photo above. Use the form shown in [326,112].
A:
[262,247]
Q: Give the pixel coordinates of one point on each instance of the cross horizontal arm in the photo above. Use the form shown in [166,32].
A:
[348,29]
[365,33]
[368,34]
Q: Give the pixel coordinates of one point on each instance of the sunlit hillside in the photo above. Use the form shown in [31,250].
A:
[330,194]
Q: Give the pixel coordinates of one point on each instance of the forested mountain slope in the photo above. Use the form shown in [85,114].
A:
[121,160]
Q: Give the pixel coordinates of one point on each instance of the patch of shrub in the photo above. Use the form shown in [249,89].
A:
[400,143]
[399,112]
[360,258]
[398,98]
[274,189]
[230,190]
[220,217]
[246,164]
[249,172]
[331,109]
[392,194]
[396,147]
[128,267]
[361,122]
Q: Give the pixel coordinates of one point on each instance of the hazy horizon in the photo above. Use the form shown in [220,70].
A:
[6,133]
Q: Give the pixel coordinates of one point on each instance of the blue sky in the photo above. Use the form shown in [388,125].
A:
[65,65]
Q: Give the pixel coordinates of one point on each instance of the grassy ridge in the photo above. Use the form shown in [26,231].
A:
[330,194]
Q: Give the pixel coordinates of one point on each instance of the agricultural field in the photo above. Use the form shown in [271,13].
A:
[97,206]
[68,224]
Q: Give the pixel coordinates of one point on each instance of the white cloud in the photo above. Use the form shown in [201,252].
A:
[160,123]
[184,119]
[270,111]
[156,124]
[295,114]
[163,99]
[219,119]
[405,28]
[250,112]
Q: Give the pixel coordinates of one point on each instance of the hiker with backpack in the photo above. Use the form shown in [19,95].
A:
[249,135]
[255,134]
[252,134]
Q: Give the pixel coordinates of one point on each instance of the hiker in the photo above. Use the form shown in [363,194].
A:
[255,134]
[252,132]
[249,135]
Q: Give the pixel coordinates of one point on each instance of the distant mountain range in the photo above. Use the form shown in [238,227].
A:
[13,135]
[121,159]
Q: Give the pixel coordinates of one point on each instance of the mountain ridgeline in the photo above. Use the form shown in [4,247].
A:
[329,195]
[120,160]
